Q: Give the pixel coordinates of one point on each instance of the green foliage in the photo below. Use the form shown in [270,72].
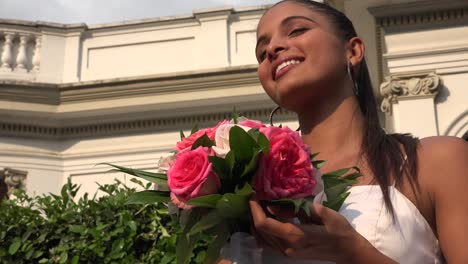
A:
[65,229]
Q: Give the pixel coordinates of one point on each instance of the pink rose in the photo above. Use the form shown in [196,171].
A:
[250,123]
[191,176]
[188,141]
[285,172]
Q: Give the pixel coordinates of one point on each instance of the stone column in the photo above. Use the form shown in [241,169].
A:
[409,101]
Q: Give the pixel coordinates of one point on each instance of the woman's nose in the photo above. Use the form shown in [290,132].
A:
[274,48]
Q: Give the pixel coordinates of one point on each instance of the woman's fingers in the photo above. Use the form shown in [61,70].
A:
[292,234]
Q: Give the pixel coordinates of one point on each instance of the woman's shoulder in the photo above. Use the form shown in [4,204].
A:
[441,158]
[442,149]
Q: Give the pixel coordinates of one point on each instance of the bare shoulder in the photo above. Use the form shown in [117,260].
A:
[441,158]
[442,149]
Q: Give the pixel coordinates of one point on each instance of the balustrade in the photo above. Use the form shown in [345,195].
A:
[19,52]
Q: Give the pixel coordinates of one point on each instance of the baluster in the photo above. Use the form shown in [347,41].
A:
[6,54]
[36,60]
[21,59]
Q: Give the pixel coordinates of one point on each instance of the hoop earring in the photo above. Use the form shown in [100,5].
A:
[350,75]
[273,112]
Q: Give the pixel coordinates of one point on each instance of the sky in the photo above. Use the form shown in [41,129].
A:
[106,11]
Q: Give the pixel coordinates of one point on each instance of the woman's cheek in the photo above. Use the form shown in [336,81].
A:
[265,78]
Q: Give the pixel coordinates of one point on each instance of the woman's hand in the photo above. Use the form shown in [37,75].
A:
[325,235]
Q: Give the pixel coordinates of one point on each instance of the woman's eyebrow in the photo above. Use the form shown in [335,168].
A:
[284,22]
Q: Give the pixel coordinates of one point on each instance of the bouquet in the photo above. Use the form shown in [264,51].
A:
[213,173]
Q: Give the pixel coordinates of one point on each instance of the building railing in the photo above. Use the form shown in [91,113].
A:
[20,52]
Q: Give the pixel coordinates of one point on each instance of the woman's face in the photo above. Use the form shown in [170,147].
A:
[300,57]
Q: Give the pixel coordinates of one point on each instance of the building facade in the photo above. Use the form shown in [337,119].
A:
[73,96]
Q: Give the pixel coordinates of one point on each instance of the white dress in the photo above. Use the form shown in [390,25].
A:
[407,240]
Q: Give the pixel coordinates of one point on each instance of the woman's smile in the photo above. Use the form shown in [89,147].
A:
[284,66]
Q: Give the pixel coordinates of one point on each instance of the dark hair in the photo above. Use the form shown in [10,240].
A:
[387,154]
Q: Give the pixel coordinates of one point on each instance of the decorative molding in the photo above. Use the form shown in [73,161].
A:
[429,12]
[12,179]
[415,85]
[134,126]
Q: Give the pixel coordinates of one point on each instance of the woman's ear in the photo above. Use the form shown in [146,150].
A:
[355,52]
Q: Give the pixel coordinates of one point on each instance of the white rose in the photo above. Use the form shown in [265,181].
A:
[222,139]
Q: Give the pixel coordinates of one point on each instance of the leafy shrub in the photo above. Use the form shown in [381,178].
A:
[63,229]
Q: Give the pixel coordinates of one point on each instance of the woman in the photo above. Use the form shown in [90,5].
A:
[311,62]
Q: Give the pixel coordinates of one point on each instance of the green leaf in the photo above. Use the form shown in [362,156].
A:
[233,205]
[158,178]
[264,143]
[75,260]
[340,172]
[318,163]
[220,166]
[230,160]
[313,155]
[252,165]
[77,229]
[14,246]
[203,141]
[63,257]
[184,248]
[335,187]
[212,253]
[336,204]
[242,144]
[254,133]
[194,129]
[235,116]
[205,201]
[147,197]
[246,190]
[182,135]
[208,221]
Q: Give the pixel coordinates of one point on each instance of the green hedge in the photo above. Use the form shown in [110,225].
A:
[62,229]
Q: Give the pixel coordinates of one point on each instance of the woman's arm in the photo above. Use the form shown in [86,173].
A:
[443,165]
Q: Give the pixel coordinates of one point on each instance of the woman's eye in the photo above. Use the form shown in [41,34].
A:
[262,56]
[297,31]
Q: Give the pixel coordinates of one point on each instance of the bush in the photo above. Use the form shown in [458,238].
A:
[62,229]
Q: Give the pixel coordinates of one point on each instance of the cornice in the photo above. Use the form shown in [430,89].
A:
[408,86]
[55,94]
[413,16]
[135,126]
[420,12]
[131,105]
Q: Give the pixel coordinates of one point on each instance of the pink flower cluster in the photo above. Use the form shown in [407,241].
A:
[285,172]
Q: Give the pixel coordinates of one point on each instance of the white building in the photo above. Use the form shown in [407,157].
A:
[72,96]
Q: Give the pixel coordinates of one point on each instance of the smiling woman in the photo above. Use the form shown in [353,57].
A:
[311,62]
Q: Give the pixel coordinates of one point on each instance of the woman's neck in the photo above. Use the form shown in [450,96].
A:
[335,130]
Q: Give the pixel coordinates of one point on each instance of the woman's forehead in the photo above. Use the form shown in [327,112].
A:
[273,16]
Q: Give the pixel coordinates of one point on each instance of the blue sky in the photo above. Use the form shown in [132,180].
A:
[103,11]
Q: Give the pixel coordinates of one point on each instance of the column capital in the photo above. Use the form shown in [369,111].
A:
[405,86]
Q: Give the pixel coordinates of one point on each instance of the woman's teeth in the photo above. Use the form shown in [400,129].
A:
[286,63]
